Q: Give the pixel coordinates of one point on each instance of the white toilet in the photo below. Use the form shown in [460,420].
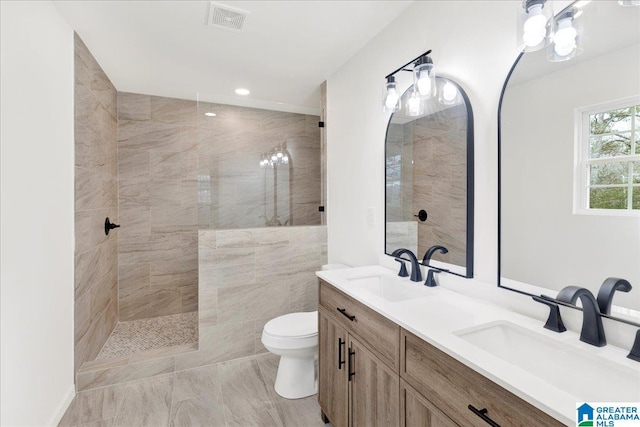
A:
[294,337]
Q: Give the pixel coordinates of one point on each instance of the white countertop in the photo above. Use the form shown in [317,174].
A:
[436,313]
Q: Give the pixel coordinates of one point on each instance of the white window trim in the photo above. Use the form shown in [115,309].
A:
[581,152]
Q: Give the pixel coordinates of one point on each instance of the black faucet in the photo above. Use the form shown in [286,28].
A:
[634,354]
[607,289]
[431,251]
[403,268]
[592,329]
[431,279]
[554,321]
[416,274]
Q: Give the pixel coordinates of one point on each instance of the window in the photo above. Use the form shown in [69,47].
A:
[394,178]
[608,154]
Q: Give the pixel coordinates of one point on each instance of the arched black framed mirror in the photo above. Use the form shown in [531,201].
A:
[429,179]
[569,163]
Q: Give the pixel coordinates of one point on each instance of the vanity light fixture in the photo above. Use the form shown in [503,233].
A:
[424,77]
[275,157]
[448,94]
[242,91]
[391,96]
[424,86]
[628,3]
[533,24]
[566,36]
[415,106]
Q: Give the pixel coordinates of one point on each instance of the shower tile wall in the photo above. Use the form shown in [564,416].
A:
[157,178]
[440,181]
[232,184]
[96,197]
[247,277]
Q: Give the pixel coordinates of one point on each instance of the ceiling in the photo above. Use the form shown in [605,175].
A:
[285,51]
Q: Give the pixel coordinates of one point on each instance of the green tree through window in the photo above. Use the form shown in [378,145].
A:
[613,161]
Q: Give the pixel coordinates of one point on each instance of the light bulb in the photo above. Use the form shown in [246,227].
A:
[285,159]
[535,27]
[424,77]
[392,98]
[274,157]
[414,104]
[449,92]
[564,40]
[279,154]
[424,84]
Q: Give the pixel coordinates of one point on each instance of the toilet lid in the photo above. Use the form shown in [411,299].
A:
[293,325]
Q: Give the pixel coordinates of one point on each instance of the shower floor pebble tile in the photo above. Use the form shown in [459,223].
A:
[136,336]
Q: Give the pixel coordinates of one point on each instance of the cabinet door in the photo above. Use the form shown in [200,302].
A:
[453,386]
[332,371]
[380,334]
[416,411]
[375,389]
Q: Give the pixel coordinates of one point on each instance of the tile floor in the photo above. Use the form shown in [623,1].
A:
[136,336]
[234,393]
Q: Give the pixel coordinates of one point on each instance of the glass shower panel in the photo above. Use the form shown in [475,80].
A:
[257,168]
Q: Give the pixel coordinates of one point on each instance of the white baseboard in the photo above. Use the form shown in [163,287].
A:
[62,408]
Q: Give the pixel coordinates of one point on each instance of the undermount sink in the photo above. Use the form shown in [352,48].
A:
[387,288]
[568,368]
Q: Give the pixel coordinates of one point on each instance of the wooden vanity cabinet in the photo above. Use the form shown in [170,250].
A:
[374,389]
[379,334]
[333,389]
[417,411]
[455,389]
[374,373]
[358,360]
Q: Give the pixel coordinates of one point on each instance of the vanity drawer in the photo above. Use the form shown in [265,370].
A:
[453,386]
[379,334]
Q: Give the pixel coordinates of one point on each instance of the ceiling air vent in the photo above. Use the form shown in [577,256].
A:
[223,16]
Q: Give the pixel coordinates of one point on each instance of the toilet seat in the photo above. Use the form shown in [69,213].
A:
[293,325]
[291,331]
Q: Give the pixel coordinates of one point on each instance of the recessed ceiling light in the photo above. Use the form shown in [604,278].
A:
[210,114]
[242,91]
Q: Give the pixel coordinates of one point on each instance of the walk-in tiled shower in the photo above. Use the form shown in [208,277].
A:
[179,182]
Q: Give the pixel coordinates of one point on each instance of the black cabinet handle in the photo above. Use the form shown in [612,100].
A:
[482,413]
[344,313]
[340,346]
[350,370]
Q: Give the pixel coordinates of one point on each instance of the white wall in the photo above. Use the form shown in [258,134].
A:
[563,248]
[37,161]
[474,43]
